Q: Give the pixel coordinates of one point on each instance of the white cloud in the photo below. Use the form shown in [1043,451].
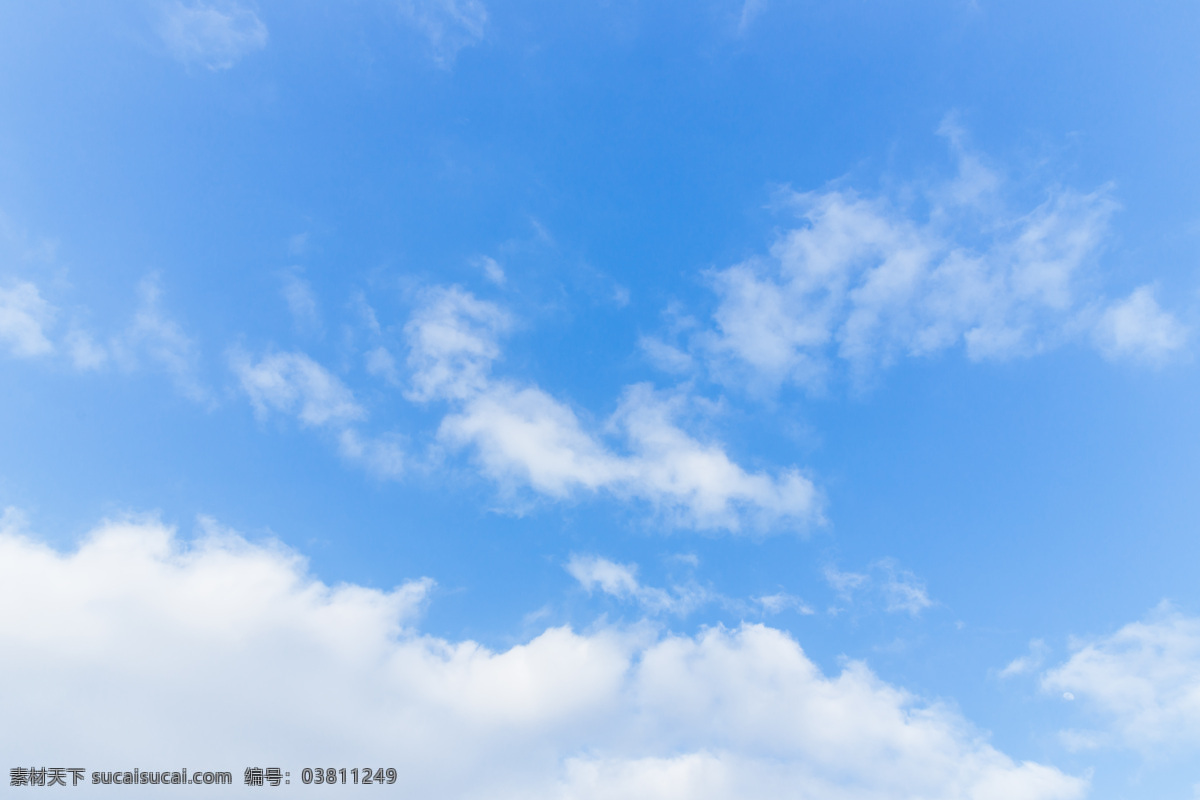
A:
[1144,680]
[213,35]
[751,10]
[24,317]
[902,590]
[491,269]
[845,583]
[224,653]
[294,384]
[383,457]
[448,25]
[1138,328]
[382,364]
[522,436]
[664,356]
[452,341]
[863,281]
[620,581]
[86,352]
[153,334]
[1029,662]
[782,601]
[899,589]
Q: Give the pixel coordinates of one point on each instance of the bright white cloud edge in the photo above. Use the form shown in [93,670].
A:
[138,649]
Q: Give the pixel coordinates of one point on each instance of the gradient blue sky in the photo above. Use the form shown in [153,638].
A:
[868,326]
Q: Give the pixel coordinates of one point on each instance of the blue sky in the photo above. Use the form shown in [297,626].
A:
[614,399]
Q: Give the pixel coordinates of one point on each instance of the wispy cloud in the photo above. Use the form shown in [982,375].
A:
[294,385]
[301,302]
[751,11]
[1030,662]
[864,280]
[447,25]
[224,629]
[213,35]
[522,436]
[899,589]
[151,337]
[154,336]
[24,317]
[620,581]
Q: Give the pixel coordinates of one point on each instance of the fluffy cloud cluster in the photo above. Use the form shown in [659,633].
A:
[522,436]
[864,281]
[1144,680]
[137,649]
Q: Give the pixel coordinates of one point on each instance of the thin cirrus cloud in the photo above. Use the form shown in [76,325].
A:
[301,302]
[213,35]
[521,436]
[898,589]
[294,385]
[864,280]
[152,336]
[1143,681]
[194,637]
[595,573]
[448,26]
[620,581]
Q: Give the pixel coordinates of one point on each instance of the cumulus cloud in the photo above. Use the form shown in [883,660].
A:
[864,280]
[295,385]
[220,652]
[212,35]
[522,436]
[24,317]
[447,25]
[1144,680]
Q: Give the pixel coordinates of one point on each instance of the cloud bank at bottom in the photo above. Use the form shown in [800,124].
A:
[139,650]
